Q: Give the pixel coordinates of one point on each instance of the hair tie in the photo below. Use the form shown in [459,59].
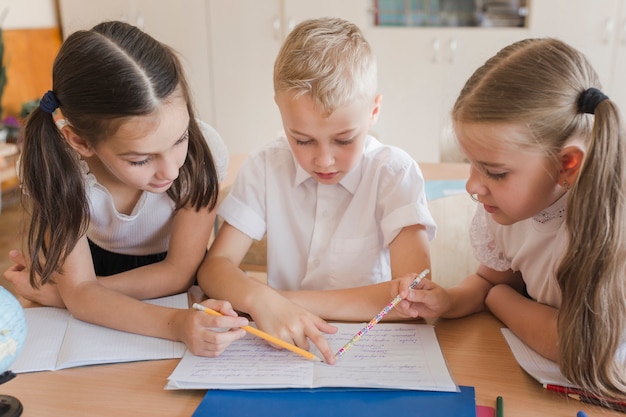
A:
[48,102]
[589,99]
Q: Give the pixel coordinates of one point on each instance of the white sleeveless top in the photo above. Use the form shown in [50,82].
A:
[147,229]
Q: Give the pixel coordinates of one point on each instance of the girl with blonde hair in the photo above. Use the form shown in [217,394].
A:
[548,168]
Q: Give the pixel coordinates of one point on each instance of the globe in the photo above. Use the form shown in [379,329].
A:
[12,337]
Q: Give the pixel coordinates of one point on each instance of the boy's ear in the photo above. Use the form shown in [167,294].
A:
[376,109]
[571,159]
[77,143]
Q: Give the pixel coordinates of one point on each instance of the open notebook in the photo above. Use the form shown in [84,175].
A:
[542,369]
[57,340]
[390,355]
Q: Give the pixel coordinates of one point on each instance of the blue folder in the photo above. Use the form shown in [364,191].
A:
[339,402]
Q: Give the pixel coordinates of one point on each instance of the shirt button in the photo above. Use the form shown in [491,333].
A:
[316,263]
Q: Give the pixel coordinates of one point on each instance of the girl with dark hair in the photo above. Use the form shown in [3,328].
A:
[121,190]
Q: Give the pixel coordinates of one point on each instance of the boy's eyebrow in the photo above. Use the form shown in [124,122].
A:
[297,132]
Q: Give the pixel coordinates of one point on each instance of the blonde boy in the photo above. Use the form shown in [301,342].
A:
[343,213]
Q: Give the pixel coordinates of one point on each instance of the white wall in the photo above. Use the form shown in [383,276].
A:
[28,14]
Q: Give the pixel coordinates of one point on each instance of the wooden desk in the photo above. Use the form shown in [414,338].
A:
[474,348]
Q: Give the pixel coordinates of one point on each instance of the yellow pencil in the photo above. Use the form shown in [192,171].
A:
[263,335]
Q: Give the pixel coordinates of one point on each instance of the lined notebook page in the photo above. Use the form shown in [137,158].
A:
[57,340]
[392,355]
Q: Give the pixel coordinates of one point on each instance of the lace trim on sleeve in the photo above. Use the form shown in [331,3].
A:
[483,241]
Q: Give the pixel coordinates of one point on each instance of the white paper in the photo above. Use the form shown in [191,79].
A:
[542,369]
[400,356]
[57,340]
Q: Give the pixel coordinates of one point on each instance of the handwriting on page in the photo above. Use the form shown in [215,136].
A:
[251,361]
[391,355]
[387,355]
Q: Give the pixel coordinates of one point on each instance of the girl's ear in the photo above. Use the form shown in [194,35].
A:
[571,159]
[77,143]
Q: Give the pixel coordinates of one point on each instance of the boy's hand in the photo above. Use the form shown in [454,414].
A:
[294,324]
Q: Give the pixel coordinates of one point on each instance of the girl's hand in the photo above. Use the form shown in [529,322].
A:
[208,335]
[427,299]
[294,324]
[46,295]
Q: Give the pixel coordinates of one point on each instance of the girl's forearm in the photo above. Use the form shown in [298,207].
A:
[468,297]
[535,324]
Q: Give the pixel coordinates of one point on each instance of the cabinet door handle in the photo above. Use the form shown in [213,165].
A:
[291,23]
[276,27]
[436,49]
[453,47]
[609,26]
[623,38]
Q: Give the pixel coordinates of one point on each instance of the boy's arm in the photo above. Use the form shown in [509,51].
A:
[409,254]
[219,276]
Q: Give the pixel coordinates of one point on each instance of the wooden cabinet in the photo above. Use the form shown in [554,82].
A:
[597,28]
[616,87]
[229,47]
[245,38]
[181,25]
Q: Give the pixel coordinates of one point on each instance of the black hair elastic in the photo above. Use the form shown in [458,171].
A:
[589,100]
[48,102]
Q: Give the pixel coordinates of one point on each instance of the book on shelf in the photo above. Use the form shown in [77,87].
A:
[391,355]
[57,340]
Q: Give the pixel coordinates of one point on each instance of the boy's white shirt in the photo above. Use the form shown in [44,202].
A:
[327,236]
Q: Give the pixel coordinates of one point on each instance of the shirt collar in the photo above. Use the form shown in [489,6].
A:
[555,211]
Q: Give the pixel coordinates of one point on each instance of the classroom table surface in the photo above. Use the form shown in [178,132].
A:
[474,348]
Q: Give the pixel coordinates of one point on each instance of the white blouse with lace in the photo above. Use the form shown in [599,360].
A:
[532,246]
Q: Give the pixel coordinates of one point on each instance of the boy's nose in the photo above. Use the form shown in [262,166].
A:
[324,158]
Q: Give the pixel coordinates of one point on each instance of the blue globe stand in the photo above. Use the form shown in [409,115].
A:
[13,332]
[9,406]
[6,376]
